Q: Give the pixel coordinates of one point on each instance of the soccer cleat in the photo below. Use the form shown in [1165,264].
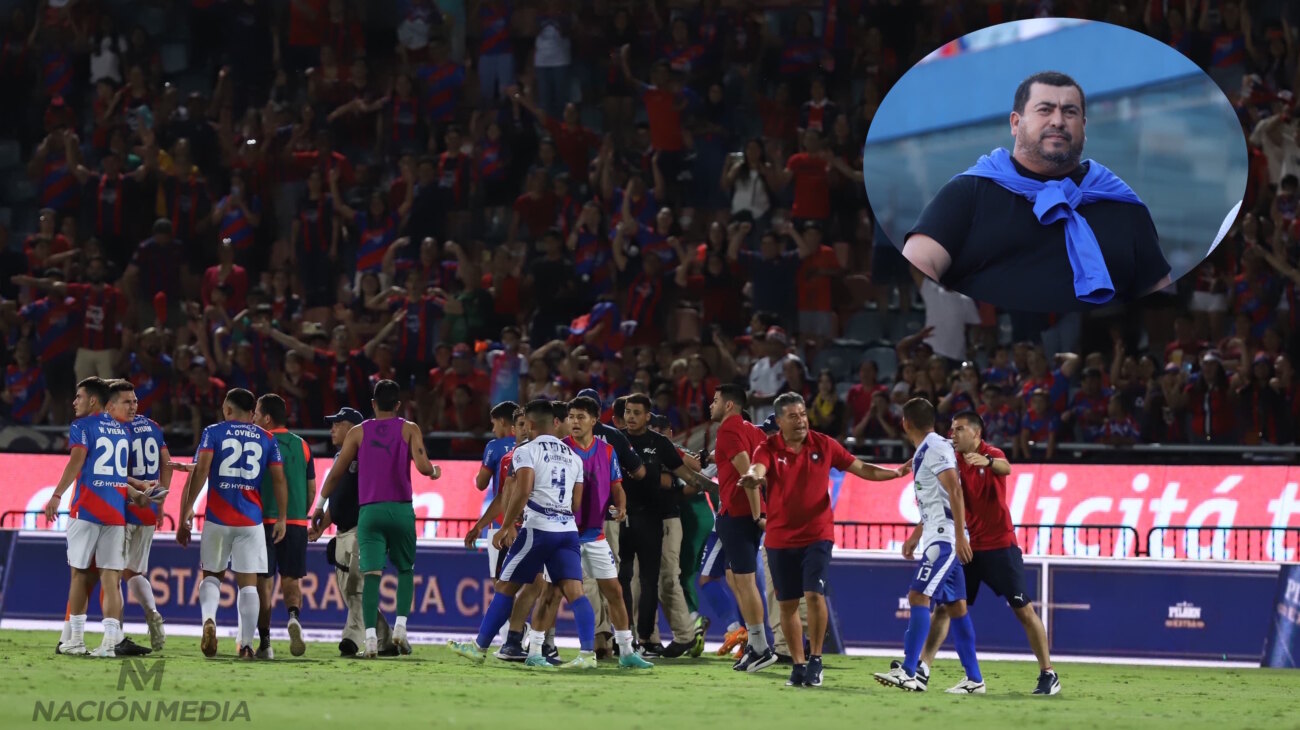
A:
[73,650]
[347,648]
[157,637]
[126,647]
[372,648]
[246,652]
[633,661]
[898,678]
[265,651]
[511,653]
[58,648]
[967,687]
[537,661]
[697,644]
[297,646]
[922,671]
[390,650]
[813,674]
[732,640]
[740,651]
[468,650]
[585,660]
[1048,683]
[399,641]
[754,661]
[677,649]
[209,642]
[797,676]
[651,650]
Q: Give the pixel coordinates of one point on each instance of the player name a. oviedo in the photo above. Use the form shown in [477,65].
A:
[1184,615]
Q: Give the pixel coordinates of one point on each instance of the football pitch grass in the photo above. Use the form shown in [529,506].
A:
[434,688]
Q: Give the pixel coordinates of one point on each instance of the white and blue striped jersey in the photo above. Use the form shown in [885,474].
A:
[934,456]
[556,469]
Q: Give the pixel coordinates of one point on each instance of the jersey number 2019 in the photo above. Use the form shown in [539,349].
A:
[112,458]
[250,453]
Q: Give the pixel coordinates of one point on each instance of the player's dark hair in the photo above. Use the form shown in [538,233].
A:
[735,394]
[120,385]
[241,400]
[517,414]
[273,407]
[920,413]
[785,400]
[1050,78]
[560,409]
[639,399]
[96,388]
[972,419]
[504,411]
[387,395]
[587,405]
[540,410]
[619,407]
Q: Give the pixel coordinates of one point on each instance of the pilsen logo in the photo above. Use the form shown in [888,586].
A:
[1184,615]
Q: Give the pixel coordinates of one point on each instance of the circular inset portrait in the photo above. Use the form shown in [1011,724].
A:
[1054,165]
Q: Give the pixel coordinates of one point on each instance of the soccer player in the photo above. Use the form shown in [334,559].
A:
[232,526]
[503,433]
[288,557]
[795,464]
[548,476]
[149,463]
[385,446]
[939,579]
[97,529]
[343,514]
[602,487]
[739,526]
[995,558]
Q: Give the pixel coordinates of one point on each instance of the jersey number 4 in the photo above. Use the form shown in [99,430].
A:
[557,481]
[250,453]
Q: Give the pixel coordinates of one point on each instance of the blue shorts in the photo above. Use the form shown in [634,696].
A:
[799,570]
[740,539]
[940,575]
[714,561]
[533,549]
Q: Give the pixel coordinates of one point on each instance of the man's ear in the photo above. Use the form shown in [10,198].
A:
[1015,122]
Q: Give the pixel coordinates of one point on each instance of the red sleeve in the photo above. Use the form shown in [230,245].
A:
[994,452]
[728,442]
[311,463]
[322,358]
[77,290]
[840,457]
[762,455]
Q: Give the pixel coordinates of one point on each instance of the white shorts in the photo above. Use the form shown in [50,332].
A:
[139,538]
[104,545]
[493,554]
[243,549]
[598,560]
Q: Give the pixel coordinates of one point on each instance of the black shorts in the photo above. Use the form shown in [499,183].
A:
[740,537]
[1002,570]
[289,556]
[800,570]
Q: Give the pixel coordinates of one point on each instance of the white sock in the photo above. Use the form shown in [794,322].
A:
[77,629]
[66,636]
[733,626]
[209,598]
[371,635]
[757,637]
[535,641]
[112,631]
[248,606]
[401,623]
[142,592]
[624,640]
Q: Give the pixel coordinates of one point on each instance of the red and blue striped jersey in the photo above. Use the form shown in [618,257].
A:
[504,371]
[148,450]
[241,454]
[442,82]
[150,389]
[100,495]
[644,298]
[494,20]
[103,308]
[27,389]
[683,58]
[1001,426]
[644,210]
[591,257]
[187,201]
[655,243]
[315,221]
[56,72]
[1124,427]
[374,238]
[236,226]
[58,186]
[1038,426]
[110,198]
[1056,385]
[491,161]
[343,383]
[454,173]
[1228,49]
[58,326]
[404,120]
[417,337]
[799,56]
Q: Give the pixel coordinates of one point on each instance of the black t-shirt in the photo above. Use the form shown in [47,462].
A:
[1002,255]
[628,459]
[343,502]
[659,455]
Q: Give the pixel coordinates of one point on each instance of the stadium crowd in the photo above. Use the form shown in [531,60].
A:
[514,200]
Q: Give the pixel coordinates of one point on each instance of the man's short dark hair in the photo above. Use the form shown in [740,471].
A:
[119,386]
[387,395]
[539,410]
[640,399]
[273,407]
[241,400]
[1050,78]
[619,407]
[972,419]
[504,411]
[735,394]
[560,409]
[920,413]
[784,401]
[517,414]
[586,404]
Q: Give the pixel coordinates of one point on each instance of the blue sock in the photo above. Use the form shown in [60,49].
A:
[585,617]
[963,634]
[496,616]
[718,600]
[918,627]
